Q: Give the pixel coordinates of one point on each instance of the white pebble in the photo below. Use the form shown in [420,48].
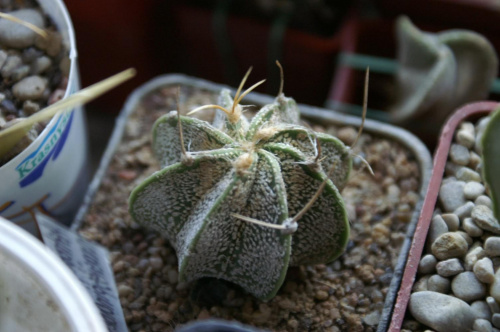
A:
[483,269]
[492,246]
[459,154]
[473,190]
[452,221]
[427,264]
[449,267]
[471,228]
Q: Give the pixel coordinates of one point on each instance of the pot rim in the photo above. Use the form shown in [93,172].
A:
[52,273]
[321,115]
[431,195]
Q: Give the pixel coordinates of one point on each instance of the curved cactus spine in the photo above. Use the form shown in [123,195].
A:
[229,213]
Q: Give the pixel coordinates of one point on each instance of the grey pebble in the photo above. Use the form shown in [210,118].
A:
[441,312]
[31,87]
[436,229]
[427,264]
[439,284]
[493,305]
[472,256]
[3,58]
[449,267]
[473,190]
[372,318]
[459,154]
[466,237]
[449,245]
[481,309]
[483,200]
[483,269]
[20,72]
[12,62]
[451,195]
[475,160]
[492,246]
[452,221]
[465,138]
[40,65]
[495,319]
[482,325]
[15,35]
[483,216]
[421,284]
[464,210]
[466,174]
[467,287]
[495,288]
[470,227]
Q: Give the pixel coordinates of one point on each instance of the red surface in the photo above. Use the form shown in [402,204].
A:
[417,246]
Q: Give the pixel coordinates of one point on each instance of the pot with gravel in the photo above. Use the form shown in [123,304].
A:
[356,291]
[47,170]
[450,280]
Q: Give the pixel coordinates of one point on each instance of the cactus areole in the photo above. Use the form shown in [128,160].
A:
[231,195]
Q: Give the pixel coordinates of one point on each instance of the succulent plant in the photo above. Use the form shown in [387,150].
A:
[491,159]
[242,200]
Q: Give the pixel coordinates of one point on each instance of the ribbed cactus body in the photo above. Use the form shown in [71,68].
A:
[267,169]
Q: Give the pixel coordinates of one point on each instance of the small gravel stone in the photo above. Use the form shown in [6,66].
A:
[492,246]
[483,269]
[481,309]
[483,216]
[483,200]
[437,283]
[482,325]
[13,62]
[40,65]
[495,288]
[452,221]
[473,190]
[441,312]
[465,138]
[465,210]
[31,87]
[15,35]
[449,267]
[3,58]
[493,305]
[466,237]
[495,319]
[467,287]
[471,228]
[459,154]
[449,245]
[321,295]
[466,174]
[473,255]
[436,229]
[372,318]
[451,195]
[427,264]
[421,284]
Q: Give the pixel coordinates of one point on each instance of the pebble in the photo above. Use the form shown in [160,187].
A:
[436,229]
[437,283]
[483,269]
[427,264]
[31,87]
[495,288]
[449,267]
[493,305]
[467,287]
[12,62]
[15,35]
[471,228]
[459,154]
[452,221]
[473,256]
[3,58]
[465,138]
[449,245]
[466,237]
[473,190]
[441,312]
[451,195]
[482,325]
[483,200]
[481,310]
[492,246]
[466,174]
[495,319]
[483,216]
[372,318]
[475,160]
[465,210]
[40,65]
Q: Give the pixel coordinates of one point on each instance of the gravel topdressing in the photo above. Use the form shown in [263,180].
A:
[346,295]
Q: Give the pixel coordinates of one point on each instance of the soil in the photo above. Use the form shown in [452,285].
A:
[346,295]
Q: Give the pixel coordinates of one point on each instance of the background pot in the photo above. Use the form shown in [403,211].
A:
[419,239]
[38,292]
[50,175]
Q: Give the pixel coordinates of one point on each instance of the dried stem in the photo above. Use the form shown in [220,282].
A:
[42,33]
[282,78]
[365,103]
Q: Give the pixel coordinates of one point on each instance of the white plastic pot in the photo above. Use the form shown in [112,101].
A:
[38,292]
[52,173]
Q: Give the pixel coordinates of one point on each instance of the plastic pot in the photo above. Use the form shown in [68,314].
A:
[314,114]
[424,220]
[51,174]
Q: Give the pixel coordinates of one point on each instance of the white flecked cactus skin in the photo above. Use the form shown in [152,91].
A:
[268,170]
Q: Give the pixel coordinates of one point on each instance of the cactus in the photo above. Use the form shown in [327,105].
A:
[242,200]
[491,159]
